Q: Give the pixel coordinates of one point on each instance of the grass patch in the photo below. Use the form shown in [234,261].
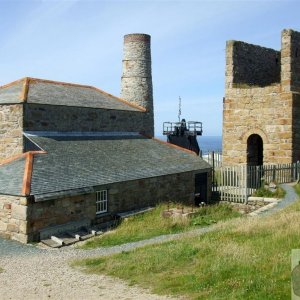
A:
[152,224]
[266,193]
[244,258]
[297,189]
[1,270]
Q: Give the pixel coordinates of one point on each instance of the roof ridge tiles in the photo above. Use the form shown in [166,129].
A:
[21,155]
[28,168]
[25,89]
[26,187]
[12,83]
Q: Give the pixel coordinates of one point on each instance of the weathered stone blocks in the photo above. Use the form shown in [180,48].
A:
[11,138]
[268,110]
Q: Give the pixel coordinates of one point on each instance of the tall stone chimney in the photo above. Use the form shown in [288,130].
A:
[136,83]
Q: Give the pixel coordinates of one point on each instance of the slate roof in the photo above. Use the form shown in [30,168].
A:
[39,91]
[81,162]
[11,93]
[11,177]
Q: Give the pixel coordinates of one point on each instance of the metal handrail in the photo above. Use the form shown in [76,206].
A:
[190,127]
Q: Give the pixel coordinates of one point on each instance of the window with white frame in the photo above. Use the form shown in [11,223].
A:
[101,202]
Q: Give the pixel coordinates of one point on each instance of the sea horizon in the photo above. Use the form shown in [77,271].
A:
[206,143]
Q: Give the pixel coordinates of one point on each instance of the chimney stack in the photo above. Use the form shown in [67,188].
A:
[136,83]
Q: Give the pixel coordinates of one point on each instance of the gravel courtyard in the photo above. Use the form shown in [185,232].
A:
[27,272]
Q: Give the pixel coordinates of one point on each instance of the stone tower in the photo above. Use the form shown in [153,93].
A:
[136,83]
[261,109]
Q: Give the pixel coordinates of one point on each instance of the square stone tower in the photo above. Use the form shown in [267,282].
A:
[261,107]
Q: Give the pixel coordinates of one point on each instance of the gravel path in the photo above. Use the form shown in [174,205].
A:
[289,199]
[30,272]
[33,273]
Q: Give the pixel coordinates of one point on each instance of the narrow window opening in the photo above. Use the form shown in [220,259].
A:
[101,202]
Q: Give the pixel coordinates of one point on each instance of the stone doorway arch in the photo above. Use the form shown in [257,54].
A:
[255,150]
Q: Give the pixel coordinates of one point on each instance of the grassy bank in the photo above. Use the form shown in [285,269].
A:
[242,259]
[152,224]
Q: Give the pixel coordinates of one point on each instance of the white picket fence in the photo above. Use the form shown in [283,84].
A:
[237,183]
[214,158]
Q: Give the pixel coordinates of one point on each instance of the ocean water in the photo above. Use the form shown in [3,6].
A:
[206,143]
[210,143]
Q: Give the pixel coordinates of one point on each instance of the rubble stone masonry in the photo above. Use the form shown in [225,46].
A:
[13,218]
[38,117]
[23,219]
[136,83]
[11,125]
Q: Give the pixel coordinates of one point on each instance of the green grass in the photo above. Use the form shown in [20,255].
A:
[1,270]
[244,258]
[152,224]
[297,189]
[263,192]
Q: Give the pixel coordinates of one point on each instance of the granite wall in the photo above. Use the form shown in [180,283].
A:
[290,60]
[38,117]
[252,64]
[14,218]
[11,123]
[261,98]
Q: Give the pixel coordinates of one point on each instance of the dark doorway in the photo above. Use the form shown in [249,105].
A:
[200,188]
[254,150]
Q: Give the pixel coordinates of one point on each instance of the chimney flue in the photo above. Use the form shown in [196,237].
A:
[136,85]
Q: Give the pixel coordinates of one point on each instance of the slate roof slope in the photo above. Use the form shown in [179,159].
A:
[75,162]
[11,93]
[39,91]
[11,177]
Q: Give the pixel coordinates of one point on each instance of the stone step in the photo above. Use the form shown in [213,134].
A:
[51,243]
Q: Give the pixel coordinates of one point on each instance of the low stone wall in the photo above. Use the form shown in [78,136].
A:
[122,196]
[14,218]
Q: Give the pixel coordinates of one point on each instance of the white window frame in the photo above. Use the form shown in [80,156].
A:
[101,202]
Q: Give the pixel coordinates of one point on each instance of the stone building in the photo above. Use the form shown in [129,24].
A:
[261,109]
[73,155]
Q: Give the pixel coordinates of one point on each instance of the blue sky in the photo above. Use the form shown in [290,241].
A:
[81,42]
